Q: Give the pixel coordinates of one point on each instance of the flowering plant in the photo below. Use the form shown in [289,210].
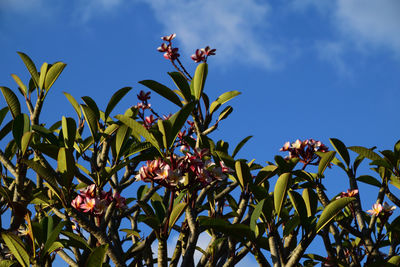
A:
[108,190]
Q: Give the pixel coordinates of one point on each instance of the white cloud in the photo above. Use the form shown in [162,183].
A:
[233,27]
[21,6]
[373,22]
[87,9]
[333,52]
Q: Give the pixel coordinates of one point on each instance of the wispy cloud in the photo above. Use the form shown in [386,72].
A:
[233,27]
[86,10]
[333,52]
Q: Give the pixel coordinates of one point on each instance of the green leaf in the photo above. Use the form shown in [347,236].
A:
[52,237]
[7,263]
[3,113]
[96,258]
[225,113]
[53,73]
[176,213]
[77,239]
[54,246]
[256,214]
[178,120]
[12,101]
[130,232]
[225,97]
[91,119]
[182,84]
[369,180]
[162,90]
[163,128]
[139,129]
[69,131]
[199,80]
[116,97]
[31,67]
[394,260]
[92,105]
[326,159]
[240,145]
[280,191]
[365,152]
[243,174]
[122,135]
[330,211]
[341,149]
[21,125]
[16,247]
[43,71]
[66,165]
[298,204]
[21,85]
[25,141]
[310,200]
[74,104]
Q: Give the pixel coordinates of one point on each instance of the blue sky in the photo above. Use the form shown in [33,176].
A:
[306,68]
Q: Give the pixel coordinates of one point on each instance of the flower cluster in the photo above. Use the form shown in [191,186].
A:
[193,165]
[90,202]
[170,53]
[202,54]
[379,209]
[305,150]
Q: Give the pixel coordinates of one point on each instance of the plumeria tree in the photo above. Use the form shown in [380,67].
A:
[108,189]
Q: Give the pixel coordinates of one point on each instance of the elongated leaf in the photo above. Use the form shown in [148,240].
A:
[96,258]
[3,113]
[66,165]
[182,84]
[16,247]
[7,263]
[123,133]
[69,131]
[298,204]
[341,149]
[310,200]
[280,191]
[330,211]
[43,72]
[243,174]
[21,85]
[199,80]
[178,120]
[53,73]
[365,152]
[91,119]
[130,232]
[116,97]
[240,145]
[21,125]
[162,90]
[326,159]
[139,129]
[176,213]
[225,113]
[77,239]
[31,67]
[56,245]
[92,105]
[12,101]
[25,141]
[74,104]
[53,236]
[369,180]
[225,97]
[256,214]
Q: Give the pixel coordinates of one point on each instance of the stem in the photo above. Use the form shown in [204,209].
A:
[162,253]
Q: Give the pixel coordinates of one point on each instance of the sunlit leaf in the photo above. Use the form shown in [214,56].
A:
[225,97]
[16,247]
[31,67]
[53,73]
[326,159]
[176,213]
[243,173]
[96,258]
[69,131]
[240,145]
[162,90]
[21,85]
[331,210]
[116,97]
[12,101]
[91,119]
[74,104]
[199,80]
[21,125]
[280,191]
[365,152]
[310,200]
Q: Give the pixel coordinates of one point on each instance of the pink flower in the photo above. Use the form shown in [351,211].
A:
[387,208]
[208,51]
[143,106]
[89,192]
[349,193]
[224,168]
[142,96]
[376,209]
[168,38]
[163,48]
[120,201]
[89,204]
[285,146]
[171,53]
[198,56]
[148,121]
[77,202]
